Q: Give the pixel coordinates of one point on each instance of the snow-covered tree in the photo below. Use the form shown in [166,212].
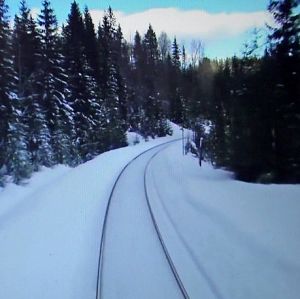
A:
[53,78]
[112,88]
[82,95]
[14,158]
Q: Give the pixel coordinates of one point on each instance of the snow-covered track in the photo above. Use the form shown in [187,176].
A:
[161,240]
[99,287]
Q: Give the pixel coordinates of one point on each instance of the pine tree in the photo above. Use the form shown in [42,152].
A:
[183,58]
[136,98]
[91,45]
[82,95]
[176,99]
[23,49]
[219,145]
[112,87]
[154,120]
[285,53]
[175,54]
[53,79]
[122,63]
[27,53]
[13,152]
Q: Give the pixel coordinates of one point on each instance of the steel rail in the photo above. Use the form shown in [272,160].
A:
[99,286]
[161,240]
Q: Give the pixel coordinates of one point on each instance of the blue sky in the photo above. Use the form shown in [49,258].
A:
[223,25]
[128,6]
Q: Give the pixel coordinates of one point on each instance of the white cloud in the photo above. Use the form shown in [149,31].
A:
[35,12]
[189,24]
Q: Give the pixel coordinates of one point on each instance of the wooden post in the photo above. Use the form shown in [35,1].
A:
[182,129]
[200,151]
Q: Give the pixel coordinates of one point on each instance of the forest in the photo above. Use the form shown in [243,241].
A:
[71,92]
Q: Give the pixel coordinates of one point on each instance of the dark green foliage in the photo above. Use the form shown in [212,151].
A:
[5,85]
[64,98]
[153,121]
[82,95]
[90,45]
[284,56]
[112,83]
[13,151]
[52,78]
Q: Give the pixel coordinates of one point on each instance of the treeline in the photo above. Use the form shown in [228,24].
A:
[67,95]
[256,110]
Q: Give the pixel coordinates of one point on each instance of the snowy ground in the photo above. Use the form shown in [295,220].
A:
[229,239]
[50,229]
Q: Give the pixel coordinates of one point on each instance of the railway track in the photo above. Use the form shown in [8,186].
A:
[99,287]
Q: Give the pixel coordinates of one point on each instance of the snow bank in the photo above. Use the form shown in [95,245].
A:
[50,228]
[231,239]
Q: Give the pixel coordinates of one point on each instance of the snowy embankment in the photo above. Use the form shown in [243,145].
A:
[50,228]
[230,239]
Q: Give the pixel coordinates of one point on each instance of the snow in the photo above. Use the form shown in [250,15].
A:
[133,258]
[50,229]
[229,239]
[133,138]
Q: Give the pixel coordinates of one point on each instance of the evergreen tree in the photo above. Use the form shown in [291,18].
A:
[112,88]
[285,57]
[220,116]
[23,49]
[136,98]
[13,152]
[175,54]
[53,80]
[35,110]
[184,59]
[153,121]
[122,64]
[176,99]
[91,45]
[82,95]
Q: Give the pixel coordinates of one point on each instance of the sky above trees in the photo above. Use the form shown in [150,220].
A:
[223,26]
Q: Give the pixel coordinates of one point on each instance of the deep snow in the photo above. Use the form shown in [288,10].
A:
[134,264]
[229,239]
[232,239]
[50,228]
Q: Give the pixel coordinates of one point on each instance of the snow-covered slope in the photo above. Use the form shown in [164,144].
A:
[230,239]
[50,228]
[245,235]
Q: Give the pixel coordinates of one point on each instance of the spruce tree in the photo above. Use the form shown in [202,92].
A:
[154,121]
[176,99]
[82,95]
[13,151]
[112,88]
[23,49]
[285,56]
[136,97]
[91,45]
[53,79]
[122,62]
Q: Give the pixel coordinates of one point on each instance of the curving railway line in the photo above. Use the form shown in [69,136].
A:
[132,250]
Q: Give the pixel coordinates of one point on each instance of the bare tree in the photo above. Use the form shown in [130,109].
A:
[164,44]
[197,52]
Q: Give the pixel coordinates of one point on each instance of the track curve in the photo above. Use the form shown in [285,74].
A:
[161,240]
[99,286]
